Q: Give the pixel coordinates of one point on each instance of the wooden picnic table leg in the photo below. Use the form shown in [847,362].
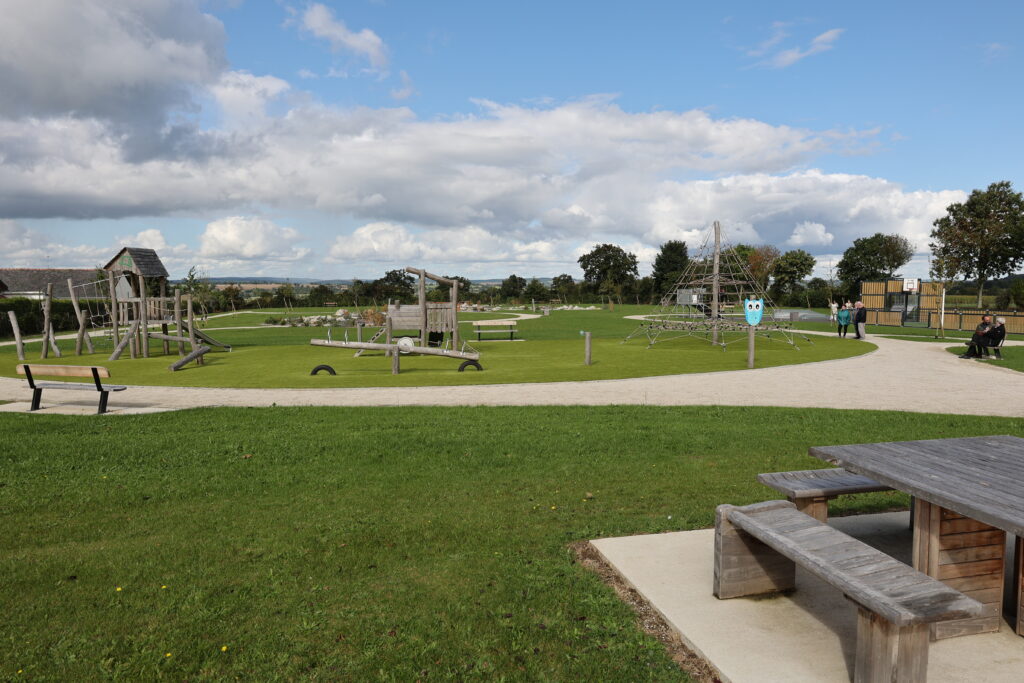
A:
[966,555]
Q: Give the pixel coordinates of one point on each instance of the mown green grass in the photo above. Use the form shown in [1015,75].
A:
[1013,357]
[371,544]
[273,357]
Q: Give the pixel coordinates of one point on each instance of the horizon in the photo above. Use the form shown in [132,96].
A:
[501,138]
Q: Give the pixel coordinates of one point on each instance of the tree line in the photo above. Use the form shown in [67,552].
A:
[975,243]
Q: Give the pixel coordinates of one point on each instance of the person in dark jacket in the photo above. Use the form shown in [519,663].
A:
[993,338]
[978,339]
[860,320]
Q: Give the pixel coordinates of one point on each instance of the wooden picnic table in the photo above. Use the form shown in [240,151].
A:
[969,493]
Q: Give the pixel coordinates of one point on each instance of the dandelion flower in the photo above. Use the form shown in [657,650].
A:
[223,648]
[163,588]
[167,654]
[118,589]
[554,507]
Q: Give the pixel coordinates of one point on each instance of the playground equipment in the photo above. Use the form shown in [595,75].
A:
[124,306]
[708,301]
[431,320]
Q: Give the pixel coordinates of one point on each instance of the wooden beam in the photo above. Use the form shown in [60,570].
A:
[144,316]
[125,340]
[192,329]
[114,320]
[177,319]
[17,335]
[419,350]
[83,335]
[196,355]
[435,278]
[46,320]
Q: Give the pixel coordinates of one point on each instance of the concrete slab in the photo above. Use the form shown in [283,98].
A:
[809,635]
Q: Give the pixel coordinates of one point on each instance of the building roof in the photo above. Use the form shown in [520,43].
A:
[36,279]
[144,262]
[3,287]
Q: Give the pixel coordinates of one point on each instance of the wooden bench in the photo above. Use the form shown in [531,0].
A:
[810,490]
[30,371]
[504,325]
[757,548]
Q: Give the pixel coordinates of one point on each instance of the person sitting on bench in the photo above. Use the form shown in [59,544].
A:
[993,338]
[978,339]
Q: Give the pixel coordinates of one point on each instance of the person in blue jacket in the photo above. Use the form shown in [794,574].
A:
[843,320]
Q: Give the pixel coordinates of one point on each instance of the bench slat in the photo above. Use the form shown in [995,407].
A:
[897,592]
[82,387]
[63,370]
[828,482]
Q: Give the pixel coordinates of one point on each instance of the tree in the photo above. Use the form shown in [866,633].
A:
[320,295]
[535,289]
[563,287]
[983,237]
[878,257]
[609,267]
[512,286]
[790,269]
[396,284]
[198,287]
[231,295]
[761,261]
[284,295]
[669,264]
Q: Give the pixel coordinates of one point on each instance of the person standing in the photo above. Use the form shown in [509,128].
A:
[860,320]
[843,321]
[833,307]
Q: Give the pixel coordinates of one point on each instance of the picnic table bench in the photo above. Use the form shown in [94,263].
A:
[757,548]
[96,372]
[504,325]
[810,490]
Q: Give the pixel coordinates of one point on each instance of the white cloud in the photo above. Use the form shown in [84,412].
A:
[24,248]
[407,89]
[321,22]
[129,62]
[808,234]
[241,238]
[243,97]
[821,43]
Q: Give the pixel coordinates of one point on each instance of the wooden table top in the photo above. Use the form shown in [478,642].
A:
[979,477]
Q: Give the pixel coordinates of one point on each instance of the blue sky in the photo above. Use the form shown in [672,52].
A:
[342,139]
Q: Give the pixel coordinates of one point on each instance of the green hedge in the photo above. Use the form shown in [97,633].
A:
[30,316]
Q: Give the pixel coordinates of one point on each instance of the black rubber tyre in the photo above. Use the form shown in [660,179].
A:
[328,368]
[470,364]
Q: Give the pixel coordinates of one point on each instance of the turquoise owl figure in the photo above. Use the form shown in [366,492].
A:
[754,309]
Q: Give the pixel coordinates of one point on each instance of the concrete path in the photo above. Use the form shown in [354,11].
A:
[806,637]
[900,375]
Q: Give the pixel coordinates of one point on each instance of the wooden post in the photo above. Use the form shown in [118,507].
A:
[359,331]
[750,346]
[886,652]
[144,315]
[46,321]
[177,320]
[424,325]
[455,316]
[586,348]
[195,355]
[394,361]
[53,342]
[17,335]
[83,335]
[745,565]
[192,330]
[127,340]
[388,330]
[715,281]
[163,318]
[114,308]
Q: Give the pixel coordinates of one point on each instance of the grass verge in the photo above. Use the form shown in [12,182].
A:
[371,544]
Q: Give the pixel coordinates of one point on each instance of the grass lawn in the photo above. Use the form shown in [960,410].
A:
[371,544]
[1013,357]
[553,351]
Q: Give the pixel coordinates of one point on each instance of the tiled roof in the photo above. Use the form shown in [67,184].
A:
[36,279]
[145,260]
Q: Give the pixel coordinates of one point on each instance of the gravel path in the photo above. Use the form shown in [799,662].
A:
[900,375]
